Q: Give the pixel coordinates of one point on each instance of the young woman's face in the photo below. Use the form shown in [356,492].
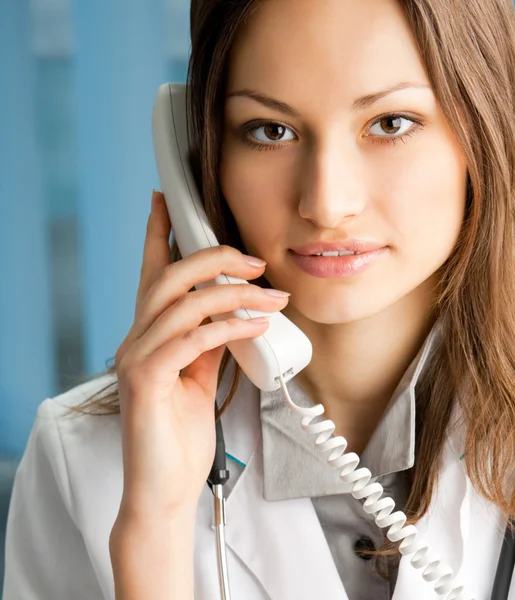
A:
[338,166]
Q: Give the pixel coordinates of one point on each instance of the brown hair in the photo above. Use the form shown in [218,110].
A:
[469,53]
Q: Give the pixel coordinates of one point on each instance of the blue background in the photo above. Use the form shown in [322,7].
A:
[78,80]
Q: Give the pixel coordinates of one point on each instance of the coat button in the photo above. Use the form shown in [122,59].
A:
[364,543]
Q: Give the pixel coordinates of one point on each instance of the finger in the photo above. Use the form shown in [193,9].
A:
[180,277]
[198,352]
[156,250]
[188,313]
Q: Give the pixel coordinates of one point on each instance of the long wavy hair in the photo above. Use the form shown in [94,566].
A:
[469,54]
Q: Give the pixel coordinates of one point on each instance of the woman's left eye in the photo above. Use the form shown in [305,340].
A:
[394,127]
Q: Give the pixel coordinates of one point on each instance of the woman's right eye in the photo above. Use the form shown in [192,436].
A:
[271,132]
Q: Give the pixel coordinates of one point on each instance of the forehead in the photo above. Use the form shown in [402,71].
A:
[318,51]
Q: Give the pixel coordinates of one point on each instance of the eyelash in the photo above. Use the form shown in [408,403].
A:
[381,139]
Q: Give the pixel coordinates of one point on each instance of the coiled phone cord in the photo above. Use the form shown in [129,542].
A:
[380,508]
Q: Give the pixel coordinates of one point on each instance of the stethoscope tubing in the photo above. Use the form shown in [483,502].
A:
[505,566]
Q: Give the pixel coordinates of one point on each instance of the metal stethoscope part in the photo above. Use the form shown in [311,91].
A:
[217,478]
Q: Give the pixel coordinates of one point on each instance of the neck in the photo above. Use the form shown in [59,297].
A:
[356,366]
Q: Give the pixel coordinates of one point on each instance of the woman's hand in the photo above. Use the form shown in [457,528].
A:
[167,369]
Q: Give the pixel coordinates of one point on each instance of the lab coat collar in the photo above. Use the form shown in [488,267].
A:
[286,537]
[289,451]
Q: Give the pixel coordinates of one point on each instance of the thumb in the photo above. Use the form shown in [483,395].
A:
[156,250]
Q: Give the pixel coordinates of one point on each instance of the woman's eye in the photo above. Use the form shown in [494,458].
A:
[271,132]
[392,126]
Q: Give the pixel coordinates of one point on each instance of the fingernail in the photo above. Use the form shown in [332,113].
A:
[255,262]
[259,320]
[273,292]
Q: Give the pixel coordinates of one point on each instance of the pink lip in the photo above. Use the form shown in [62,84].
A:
[336,266]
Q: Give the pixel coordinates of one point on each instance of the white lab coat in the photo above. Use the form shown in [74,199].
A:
[68,490]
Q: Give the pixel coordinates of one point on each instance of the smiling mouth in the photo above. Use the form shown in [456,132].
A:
[337,263]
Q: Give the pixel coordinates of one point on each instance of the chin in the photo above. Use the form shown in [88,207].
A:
[343,312]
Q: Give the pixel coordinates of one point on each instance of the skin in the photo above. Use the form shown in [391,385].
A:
[333,173]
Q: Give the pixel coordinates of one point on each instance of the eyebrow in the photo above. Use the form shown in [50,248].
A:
[359,104]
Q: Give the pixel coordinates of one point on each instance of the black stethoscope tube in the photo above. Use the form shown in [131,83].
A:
[505,566]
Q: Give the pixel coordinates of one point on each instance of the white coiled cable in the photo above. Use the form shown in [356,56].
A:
[381,508]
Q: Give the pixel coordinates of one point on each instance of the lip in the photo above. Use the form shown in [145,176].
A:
[337,266]
[353,245]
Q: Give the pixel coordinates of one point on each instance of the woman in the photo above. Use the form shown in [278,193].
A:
[386,122]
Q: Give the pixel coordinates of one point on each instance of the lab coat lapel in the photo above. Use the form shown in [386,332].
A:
[281,543]
[444,531]
[462,527]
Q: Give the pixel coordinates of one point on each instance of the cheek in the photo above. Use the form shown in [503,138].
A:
[258,202]
[425,203]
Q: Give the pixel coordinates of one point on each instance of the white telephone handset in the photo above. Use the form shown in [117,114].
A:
[283,349]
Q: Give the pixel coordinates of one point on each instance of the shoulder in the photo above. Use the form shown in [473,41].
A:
[68,445]
[77,431]
[59,412]
[63,402]
[74,460]
[65,498]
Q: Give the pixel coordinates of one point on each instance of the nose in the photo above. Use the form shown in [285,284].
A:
[333,188]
